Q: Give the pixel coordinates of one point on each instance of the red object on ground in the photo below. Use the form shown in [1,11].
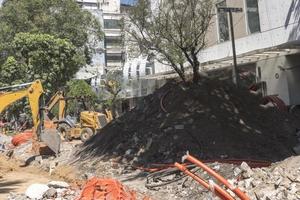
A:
[252,163]
[217,176]
[106,189]
[22,137]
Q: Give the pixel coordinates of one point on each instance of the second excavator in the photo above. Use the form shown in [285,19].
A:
[88,124]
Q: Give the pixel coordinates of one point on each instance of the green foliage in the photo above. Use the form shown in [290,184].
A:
[113,86]
[45,39]
[41,56]
[40,36]
[80,88]
[62,19]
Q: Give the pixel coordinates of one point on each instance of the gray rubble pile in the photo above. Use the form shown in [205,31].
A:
[54,190]
[278,182]
[211,120]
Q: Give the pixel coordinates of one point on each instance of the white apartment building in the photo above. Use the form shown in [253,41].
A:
[109,56]
[267,42]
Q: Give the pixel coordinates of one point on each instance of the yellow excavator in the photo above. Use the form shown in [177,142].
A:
[42,138]
[89,123]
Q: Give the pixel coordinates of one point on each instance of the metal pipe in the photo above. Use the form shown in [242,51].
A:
[221,179]
[220,192]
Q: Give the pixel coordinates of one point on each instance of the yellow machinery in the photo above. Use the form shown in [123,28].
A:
[33,91]
[89,121]
[60,99]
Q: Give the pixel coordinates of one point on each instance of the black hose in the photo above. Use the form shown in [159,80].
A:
[163,173]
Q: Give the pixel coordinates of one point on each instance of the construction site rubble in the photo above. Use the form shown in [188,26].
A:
[211,120]
[215,121]
[53,190]
[280,181]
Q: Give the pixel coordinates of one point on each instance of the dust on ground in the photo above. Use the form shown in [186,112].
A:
[17,179]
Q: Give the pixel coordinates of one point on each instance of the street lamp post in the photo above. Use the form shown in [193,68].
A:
[230,10]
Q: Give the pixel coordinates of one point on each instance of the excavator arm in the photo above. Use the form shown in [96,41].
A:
[60,99]
[33,92]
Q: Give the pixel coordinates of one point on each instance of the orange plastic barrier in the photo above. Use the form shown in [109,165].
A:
[220,178]
[105,189]
[22,138]
[220,192]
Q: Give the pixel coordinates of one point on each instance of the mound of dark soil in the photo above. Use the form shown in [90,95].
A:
[211,120]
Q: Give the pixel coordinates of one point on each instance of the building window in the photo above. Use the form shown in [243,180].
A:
[223,23]
[253,16]
[149,68]
[112,24]
[114,57]
[113,41]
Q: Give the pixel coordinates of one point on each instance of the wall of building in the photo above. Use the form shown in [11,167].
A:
[279,23]
[96,68]
[282,77]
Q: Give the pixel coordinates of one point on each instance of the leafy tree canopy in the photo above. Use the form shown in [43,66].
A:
[41,56]
[62,19]
[80,88]
[45,39]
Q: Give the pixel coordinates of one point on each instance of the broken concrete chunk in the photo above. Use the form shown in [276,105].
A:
[58,184]
[129,152]
[245,167]
[179,127]
[237,171]
[50,193]
[36,191]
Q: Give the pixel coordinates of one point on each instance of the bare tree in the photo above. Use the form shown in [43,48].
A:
[174,30]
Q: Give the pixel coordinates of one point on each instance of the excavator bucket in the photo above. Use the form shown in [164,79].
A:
[52,139]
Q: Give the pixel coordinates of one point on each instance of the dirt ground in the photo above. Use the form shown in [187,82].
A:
[17,179]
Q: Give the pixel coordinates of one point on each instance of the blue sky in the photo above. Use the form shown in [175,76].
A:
[129,2]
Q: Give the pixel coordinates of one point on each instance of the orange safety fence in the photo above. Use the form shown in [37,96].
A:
[22,137]
[106,189]
[218,190]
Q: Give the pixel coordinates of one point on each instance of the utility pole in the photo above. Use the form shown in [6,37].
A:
[230,10]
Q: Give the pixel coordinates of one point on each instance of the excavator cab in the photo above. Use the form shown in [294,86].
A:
[42,138]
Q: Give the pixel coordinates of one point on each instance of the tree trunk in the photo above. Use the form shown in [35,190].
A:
[182,76]
[196,74]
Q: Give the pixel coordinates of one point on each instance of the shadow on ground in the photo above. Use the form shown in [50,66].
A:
[7,186]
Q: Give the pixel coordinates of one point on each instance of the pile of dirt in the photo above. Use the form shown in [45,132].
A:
[211,120]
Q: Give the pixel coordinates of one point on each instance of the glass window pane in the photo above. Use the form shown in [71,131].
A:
[253,16]
[112,24]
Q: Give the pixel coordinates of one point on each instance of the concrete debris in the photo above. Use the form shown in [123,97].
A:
[50,193]
[280,181]
[36,191]
[43,192]
[58,184]
[179,127]
[213,120]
